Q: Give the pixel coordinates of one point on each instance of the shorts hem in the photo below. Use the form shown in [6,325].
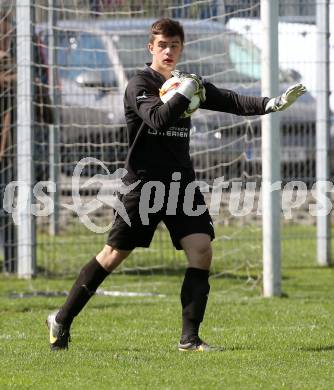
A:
[126,248]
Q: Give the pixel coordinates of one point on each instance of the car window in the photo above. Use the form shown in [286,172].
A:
[220,58]
[132,51]
[245,57]
[80,52]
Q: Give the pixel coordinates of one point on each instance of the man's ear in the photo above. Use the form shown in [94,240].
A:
[150,47]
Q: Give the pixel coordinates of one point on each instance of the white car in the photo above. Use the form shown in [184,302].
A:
[297,47]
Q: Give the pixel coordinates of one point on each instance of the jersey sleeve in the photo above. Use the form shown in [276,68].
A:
[144,100]
[225,100]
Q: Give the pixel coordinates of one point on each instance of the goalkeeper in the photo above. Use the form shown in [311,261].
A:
[159,151]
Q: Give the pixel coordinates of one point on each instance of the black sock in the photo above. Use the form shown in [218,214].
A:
[89,279]
[194,296]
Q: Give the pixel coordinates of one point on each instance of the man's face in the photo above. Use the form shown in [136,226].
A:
[166,52]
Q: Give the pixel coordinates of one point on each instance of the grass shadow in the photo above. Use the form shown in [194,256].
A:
[318,349]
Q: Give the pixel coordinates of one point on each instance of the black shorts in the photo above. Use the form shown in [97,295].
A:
[125,237]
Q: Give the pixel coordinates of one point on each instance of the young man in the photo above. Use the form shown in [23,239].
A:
[158,154]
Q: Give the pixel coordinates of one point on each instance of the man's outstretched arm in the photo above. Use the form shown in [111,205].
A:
[225,100]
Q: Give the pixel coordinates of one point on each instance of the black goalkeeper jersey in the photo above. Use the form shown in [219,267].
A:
[158,137]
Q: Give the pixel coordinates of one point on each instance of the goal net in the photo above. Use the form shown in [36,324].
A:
[84,52]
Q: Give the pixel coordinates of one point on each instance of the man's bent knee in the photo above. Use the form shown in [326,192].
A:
[200,258]
[198,250]
[111,257]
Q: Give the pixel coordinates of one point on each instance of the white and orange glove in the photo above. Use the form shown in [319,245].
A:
[191,84]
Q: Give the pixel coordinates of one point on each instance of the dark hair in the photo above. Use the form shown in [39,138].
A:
[167,27]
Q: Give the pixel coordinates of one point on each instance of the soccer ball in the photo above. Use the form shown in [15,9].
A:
[168,90]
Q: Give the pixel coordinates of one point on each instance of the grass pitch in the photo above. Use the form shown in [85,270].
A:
[130,342]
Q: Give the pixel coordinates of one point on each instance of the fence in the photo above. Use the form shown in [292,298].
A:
[83,53]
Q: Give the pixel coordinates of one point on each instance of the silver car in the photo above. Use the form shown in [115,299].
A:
[96,58]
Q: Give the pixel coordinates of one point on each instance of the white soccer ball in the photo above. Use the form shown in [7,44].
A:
[169,89]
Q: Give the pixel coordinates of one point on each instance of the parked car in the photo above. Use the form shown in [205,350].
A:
[294,33]
[96,58]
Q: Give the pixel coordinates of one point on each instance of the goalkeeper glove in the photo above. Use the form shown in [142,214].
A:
[191,84]
[285,100]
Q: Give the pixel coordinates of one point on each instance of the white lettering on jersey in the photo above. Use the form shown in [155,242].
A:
[181,132]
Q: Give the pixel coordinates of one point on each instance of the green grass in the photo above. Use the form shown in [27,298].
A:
[129,343]
[63,254]
[234,246]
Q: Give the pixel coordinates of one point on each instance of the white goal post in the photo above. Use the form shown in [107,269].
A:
[271,218]
[26,266]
